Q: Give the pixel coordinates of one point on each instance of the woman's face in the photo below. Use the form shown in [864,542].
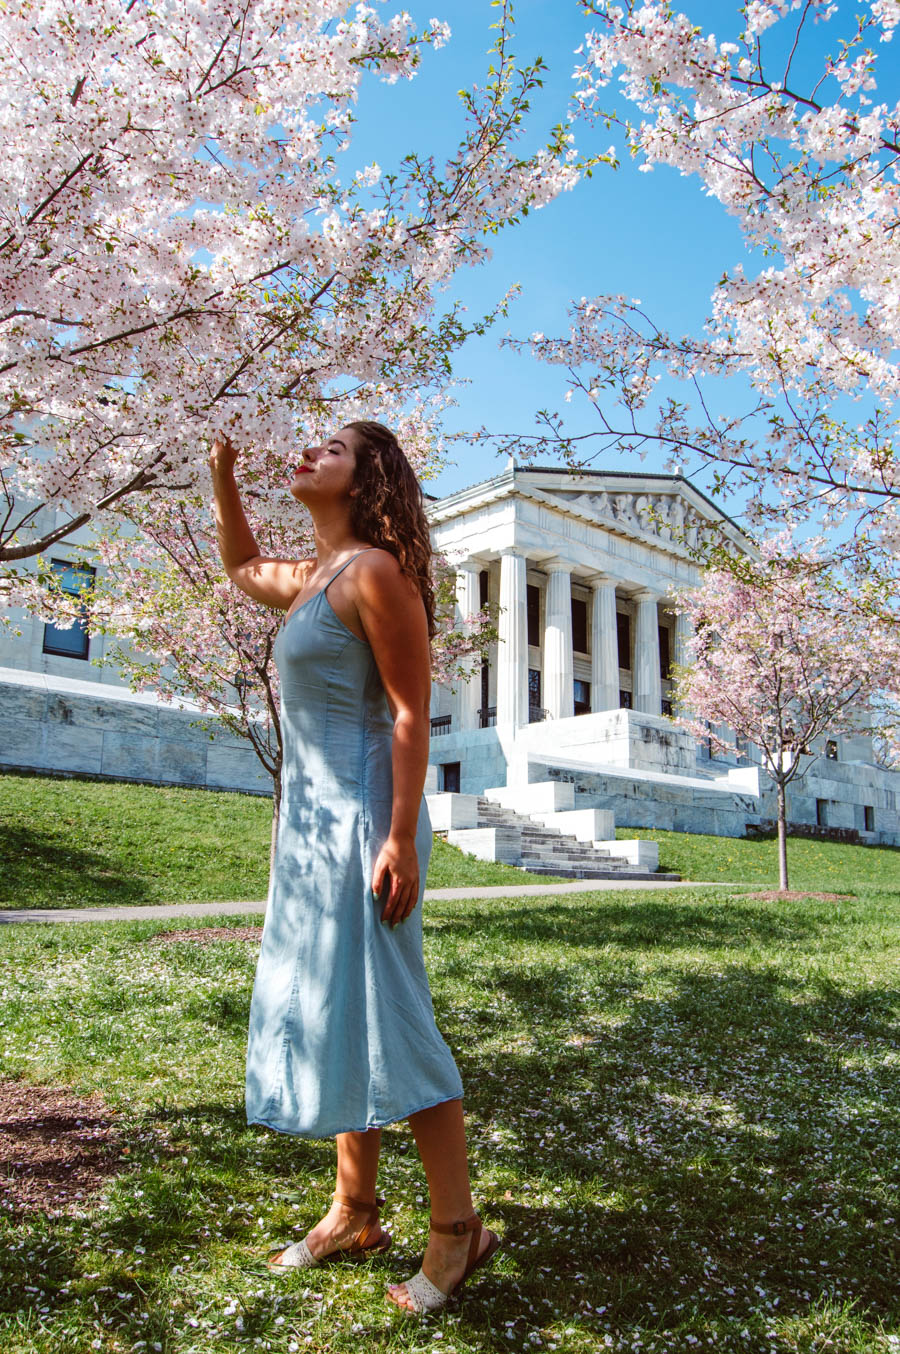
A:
[326,472]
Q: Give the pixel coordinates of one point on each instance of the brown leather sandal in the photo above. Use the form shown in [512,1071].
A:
[425,1295]
[299,1256]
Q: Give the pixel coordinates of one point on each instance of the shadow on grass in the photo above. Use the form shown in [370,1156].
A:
[29,858]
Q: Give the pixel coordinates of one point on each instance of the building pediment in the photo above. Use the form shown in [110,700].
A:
[665,511]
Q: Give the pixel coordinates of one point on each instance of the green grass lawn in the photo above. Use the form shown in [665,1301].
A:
[683,1112]
[829,866]
[66,843]
[69,843]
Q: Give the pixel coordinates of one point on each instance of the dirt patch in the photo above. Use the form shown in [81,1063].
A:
[205,935]
[56,1149]
[773,896]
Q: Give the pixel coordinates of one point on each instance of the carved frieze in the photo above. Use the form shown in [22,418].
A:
[667,517]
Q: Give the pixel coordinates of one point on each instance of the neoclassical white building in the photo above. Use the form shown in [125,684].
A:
[572,703]
[577,688]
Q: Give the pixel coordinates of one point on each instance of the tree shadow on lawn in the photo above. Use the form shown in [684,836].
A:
[730,1142]
[29,858]
[740,1134]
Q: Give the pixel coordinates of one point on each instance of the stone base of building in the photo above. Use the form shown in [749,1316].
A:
[647,773]
[64,726]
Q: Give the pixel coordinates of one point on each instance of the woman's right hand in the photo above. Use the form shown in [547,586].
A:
[223,455]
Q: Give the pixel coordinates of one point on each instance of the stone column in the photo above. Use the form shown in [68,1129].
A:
[512,649]
[682,635]
[559,689]
[604,645]
[468,601]
[647,684]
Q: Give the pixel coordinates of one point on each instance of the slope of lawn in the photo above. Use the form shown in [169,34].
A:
[829,866]
[70,843]
[683,1111]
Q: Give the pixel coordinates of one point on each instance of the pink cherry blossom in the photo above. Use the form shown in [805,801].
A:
[803,151]
[179,252]
[782,654]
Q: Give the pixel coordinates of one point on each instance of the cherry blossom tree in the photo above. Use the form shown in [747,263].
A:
[179,252]
[803,150]
[782,656]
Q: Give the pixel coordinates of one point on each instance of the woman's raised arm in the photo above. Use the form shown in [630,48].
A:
[274,582]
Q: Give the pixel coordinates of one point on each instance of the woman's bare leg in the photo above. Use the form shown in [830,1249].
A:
[441,1139]
[357,1168]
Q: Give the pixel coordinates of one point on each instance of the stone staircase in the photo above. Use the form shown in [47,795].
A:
[492,831]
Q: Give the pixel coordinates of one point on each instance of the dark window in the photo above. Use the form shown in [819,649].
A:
[450,777]
[869,817]
[579,625]
[666,707]
[582,697]
[483,587]
[485,682]
[624,700]
[822,812]
[623,636]
[534,687]
[533,612]
[74,642]
[831,750]
[664,660]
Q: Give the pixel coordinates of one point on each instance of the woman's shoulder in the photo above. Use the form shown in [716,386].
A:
[380,576]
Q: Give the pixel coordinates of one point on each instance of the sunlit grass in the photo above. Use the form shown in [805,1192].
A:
[73,843]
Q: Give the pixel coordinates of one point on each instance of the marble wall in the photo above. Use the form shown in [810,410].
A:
[54,724]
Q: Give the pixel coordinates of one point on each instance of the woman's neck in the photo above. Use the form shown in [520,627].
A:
[334,536]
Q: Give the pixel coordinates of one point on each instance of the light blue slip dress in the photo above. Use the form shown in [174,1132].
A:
[342,1034]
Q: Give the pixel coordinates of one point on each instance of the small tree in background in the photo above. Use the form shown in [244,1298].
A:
[782,655]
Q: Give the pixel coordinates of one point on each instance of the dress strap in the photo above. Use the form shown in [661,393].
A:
[344,565]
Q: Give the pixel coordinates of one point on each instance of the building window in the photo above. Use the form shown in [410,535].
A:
[869,817]
[831,749]
[822,812]
[665,661]
[483,588]
[582,697]
[74,579]
[450,778]
[666,706]
[533,613]
[579,626]
[624,700]
[623,637]
[535,710]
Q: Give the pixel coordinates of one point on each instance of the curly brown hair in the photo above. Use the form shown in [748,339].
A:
[388,508]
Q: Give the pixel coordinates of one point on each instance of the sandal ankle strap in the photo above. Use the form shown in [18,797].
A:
[371,1222]
[359,1204]
[459,1228]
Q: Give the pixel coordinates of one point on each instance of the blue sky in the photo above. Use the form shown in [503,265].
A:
[654,236]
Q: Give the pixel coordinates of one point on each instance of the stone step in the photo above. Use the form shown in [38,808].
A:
[537,843]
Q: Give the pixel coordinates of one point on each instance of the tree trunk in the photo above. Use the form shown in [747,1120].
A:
[782,838]
[276,813]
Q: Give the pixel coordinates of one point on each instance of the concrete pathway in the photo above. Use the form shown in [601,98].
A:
[154,911]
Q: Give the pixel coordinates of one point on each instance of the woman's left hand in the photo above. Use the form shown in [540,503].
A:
[397,864]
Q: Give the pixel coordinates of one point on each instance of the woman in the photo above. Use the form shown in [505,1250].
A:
[342,1036]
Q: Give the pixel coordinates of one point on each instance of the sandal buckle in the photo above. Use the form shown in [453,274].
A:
[459,1229]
